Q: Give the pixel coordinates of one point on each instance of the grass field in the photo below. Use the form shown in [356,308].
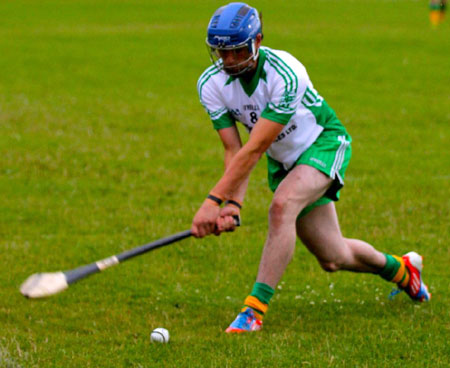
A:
[104,146]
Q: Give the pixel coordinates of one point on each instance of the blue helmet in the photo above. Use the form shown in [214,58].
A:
[232,26]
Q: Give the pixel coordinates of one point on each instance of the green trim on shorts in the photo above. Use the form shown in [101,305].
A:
[330,154]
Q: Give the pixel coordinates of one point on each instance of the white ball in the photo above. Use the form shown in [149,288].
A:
[160,335]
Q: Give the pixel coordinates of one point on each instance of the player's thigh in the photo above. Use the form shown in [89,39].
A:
[302,186]
[320,232]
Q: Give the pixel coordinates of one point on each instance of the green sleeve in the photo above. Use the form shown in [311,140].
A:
[225,121]
[275,116]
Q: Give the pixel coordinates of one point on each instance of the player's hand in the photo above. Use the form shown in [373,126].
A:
[204,222]
[225,221]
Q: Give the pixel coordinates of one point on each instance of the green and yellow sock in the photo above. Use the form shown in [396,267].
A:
[259,299]
[395,271]
[437,11]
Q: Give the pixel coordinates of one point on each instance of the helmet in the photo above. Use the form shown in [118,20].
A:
[233,27]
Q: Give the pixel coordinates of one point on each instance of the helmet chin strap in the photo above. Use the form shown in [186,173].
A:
[254,52]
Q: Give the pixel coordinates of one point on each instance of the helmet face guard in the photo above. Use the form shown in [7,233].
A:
[233,29]
[244,52]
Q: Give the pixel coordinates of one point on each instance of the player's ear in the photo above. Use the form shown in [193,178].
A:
[261,20]
[258,40]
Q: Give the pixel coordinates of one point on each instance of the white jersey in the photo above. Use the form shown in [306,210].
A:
[280,91]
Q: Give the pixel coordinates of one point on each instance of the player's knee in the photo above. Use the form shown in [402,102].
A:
[282,207]
[330,266]
[277,207]
[339,261]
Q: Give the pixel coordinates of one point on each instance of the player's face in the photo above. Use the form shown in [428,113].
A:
[236,60]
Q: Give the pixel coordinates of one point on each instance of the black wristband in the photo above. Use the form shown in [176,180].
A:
[215,199]
[234,203]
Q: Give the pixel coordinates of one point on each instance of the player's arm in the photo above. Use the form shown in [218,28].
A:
[263,134]
[232,143]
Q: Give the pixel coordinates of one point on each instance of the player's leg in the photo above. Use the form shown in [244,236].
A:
[301,187]
[319,231]
[317,175]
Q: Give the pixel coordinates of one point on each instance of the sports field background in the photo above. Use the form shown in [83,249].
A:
[104,146]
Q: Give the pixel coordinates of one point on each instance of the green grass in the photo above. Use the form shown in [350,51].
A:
[104,146]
